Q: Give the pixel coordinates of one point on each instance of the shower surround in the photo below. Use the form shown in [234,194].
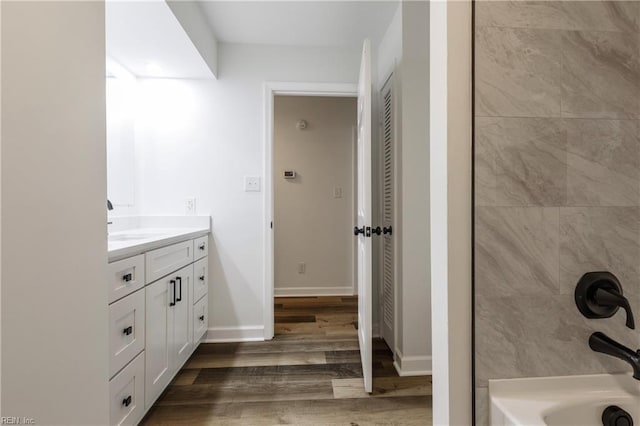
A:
[557,182]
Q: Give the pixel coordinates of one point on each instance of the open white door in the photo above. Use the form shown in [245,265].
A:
[363,228]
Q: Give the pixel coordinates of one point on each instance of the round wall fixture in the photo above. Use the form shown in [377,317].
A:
[301,125]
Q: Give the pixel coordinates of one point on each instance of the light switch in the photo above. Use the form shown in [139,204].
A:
[251,184]
[337,192]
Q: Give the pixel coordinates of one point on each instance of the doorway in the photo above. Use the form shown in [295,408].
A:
[289,90]
[313,192]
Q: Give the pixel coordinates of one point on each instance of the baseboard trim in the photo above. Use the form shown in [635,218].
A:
[248,333]
[413,365]
[313,291]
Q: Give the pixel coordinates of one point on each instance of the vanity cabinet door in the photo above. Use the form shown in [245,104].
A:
[126,330]
[125,276]
[159,316]
[200,319]
[126,394]
[201,247]
[181,317]
[200,279]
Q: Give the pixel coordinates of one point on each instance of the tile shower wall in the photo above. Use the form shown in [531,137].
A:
[557,160]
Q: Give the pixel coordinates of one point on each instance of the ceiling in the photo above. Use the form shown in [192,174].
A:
[299,23]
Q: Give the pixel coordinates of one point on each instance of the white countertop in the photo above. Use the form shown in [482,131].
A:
[150,234]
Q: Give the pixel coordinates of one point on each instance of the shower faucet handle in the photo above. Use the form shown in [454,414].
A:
[599,295]
[612,298]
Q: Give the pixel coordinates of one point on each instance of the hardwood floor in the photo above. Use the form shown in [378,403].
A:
[309,374]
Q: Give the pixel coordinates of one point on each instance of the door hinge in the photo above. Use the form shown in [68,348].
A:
[271,225]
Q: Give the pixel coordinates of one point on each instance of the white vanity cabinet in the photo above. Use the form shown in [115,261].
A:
[154,328]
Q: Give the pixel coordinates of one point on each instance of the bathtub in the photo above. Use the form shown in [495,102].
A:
[562,401]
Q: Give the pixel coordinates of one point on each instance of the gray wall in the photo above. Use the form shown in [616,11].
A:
[311,225]
[557,179]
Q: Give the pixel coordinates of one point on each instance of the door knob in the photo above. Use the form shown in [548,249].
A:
[357,231]
[387,230]
[377,230]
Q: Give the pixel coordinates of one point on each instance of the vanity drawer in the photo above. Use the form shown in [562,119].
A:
[200,279]
[201,247]
[126,330]
[166,260]
[126,394]
[125,276]
[200,319]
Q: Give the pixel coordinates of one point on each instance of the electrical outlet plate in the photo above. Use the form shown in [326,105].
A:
[302,268]
[190,206]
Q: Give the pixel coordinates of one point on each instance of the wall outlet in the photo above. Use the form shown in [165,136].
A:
[302,268]
[337,192]
[190,206]
[251,184]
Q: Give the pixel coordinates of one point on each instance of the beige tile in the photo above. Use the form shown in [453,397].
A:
[518,72]
[617,16]
[600,239]
[527,157]
[537,336]
[603,162]
[600,75]
[253,360]
[516,251]
[521,14]
[382,387]
[612,16]
[485,178]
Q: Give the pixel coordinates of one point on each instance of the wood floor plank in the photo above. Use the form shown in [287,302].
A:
[319,344]
[405,411]
[382,387]
[316,328]
[280,318]
[186,377]
[293,373]
[248,392]
[251,360]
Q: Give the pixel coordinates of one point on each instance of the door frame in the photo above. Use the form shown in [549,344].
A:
[271,90]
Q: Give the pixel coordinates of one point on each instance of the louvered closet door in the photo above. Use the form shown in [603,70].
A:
[388,288]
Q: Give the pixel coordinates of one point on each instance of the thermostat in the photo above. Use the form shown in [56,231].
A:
[289,174]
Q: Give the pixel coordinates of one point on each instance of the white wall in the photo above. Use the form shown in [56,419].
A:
[54,292]
[311,225]
[200,138]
